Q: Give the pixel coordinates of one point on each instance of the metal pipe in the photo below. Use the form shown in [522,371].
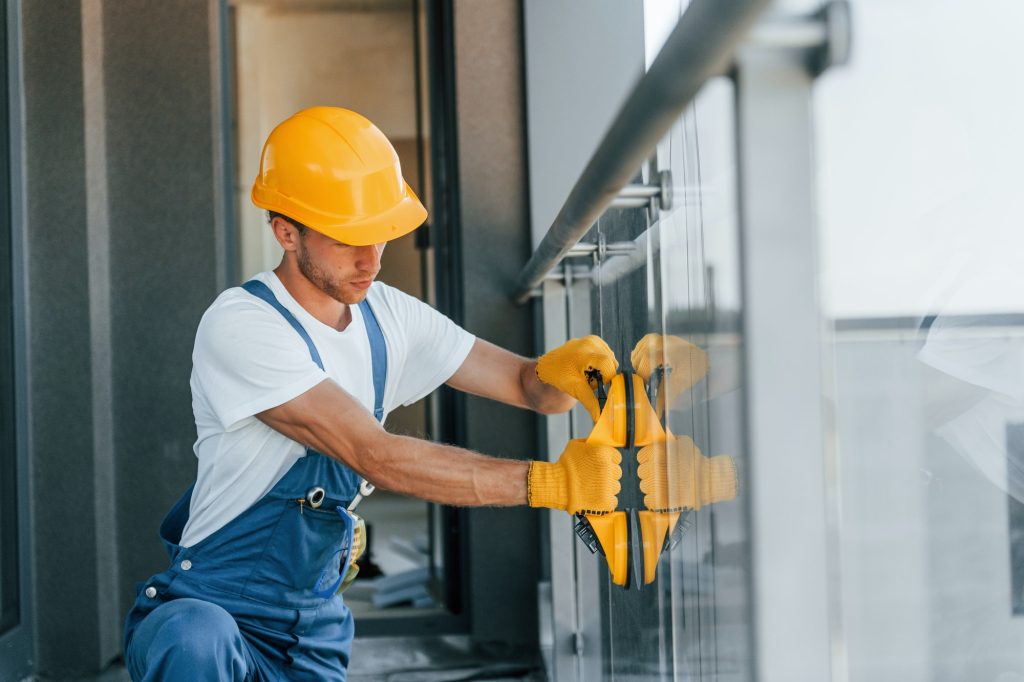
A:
[795,33]
[700,47]
[638,191]
[630,202]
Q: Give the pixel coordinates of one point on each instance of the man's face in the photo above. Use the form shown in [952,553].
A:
[341,271]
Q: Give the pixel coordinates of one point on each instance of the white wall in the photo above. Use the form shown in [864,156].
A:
[582,59]
[924,540]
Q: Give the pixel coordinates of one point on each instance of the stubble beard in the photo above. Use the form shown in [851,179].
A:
[320,279]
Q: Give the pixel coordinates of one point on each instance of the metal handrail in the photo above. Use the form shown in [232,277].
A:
[700,47]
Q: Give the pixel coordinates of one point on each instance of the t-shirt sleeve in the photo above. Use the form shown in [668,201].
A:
[247,359]
[437,347]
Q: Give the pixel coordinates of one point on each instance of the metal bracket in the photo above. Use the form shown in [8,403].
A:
[824,35]
[838,27]
[567,275]
[601,250]
[578,643]
[641,196]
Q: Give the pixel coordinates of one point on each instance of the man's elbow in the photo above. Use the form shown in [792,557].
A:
[374,456]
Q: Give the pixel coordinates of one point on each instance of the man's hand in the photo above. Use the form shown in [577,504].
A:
[675,475]
[585,479]
[566,369]
[685,365]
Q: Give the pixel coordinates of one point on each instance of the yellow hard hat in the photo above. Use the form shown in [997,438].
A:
[335,172]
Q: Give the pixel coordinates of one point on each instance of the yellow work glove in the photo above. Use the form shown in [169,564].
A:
[584,480]
[350,569]
[685,365]
[566,369]
[675,475]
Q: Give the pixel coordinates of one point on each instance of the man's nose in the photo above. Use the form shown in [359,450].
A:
[368,258]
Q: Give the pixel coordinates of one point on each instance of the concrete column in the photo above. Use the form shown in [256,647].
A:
[68,556]
[126,247]
[503,564]
[166,263]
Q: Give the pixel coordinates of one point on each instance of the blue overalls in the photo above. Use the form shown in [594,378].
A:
[257,599]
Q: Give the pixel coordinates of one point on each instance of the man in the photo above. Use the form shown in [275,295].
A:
[293,374]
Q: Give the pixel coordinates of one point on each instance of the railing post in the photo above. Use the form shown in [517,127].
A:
[795,590]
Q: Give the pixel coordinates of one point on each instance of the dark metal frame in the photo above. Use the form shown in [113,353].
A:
[16,643]
[447,250]
[9,580]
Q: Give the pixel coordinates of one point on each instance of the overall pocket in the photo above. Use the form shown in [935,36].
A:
[302,557]
[333,575]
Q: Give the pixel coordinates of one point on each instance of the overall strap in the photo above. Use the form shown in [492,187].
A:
[378,357]
[378,349]
[262,291]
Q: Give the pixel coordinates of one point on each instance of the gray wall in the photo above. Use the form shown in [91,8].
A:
[582,59]
[63,457]
[166,264]
[124,254]
[503,563]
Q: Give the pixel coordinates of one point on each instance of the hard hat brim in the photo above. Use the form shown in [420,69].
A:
[395,222]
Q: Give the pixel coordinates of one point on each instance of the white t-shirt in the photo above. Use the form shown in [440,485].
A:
[248,359]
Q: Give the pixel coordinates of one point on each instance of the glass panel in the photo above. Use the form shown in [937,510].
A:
[921,214]
[701,304]
[676,274]
[9,579]
[680,279]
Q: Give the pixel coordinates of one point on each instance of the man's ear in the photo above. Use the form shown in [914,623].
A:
[287,235]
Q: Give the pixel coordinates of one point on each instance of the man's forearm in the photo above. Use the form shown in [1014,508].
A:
[438,473]
[444,474]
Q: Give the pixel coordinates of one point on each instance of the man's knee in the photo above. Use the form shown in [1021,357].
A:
[187,639]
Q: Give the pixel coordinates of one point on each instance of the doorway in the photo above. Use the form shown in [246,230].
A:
[368,57]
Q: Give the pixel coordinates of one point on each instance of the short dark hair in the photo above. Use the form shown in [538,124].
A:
[298,226]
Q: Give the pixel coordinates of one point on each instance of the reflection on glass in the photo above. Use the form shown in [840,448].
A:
[668,305]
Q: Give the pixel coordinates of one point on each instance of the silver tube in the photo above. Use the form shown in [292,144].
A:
[635,191]
[630,202]
[700,47]
[802,32]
